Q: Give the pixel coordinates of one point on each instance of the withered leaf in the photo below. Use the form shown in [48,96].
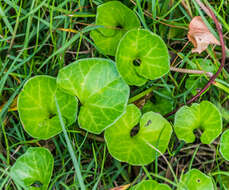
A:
[200,36]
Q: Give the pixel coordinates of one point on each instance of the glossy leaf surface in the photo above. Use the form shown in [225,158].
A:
[33,167]
[224,145]
[150,185]
[142,56]
[102,92]
[196,180]
[204,116]
[117,19]
[133,148]
[37,108]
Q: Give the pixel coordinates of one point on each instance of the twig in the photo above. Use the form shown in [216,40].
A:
[191,71]
[212,79]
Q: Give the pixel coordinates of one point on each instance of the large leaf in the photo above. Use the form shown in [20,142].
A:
[224,145]
[142,55]
[33,168]
[195,180]
[150,185]
[204,116]
[37,108]
[135,149]
[117,19]
[101,90]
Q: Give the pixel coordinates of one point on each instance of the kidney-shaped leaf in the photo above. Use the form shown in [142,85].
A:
[125,145]
[204,116]
[224,145]
[142,56]
[150,185]
[117,19]
[33,168]
[37,108]
[195,180]
[100,89]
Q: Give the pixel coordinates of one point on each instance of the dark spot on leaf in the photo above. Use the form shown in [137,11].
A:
[148,123]
[198,180]
[51,115]
[134,131]
[37,184]
[137,62]
[119,26]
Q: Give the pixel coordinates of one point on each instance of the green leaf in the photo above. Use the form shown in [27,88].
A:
[117,19]
[150,185]
[204,116]
[37,108]
[195,84]
[102,92]
[159,104]
[195,180]
[202,64]
[124,145]
[33,167]
[224,145]
[142,56]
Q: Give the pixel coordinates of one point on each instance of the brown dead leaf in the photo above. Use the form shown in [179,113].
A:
[200,36]
[123,187]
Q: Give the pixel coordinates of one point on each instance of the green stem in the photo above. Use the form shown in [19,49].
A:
[140,95]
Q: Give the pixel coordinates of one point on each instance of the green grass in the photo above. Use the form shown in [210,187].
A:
[36,39]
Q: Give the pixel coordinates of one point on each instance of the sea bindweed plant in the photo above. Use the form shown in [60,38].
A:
[131,137]
[101,88]
[141,56]
[117,19]
[102,93]
[37,108]
[204,116]
[33,170]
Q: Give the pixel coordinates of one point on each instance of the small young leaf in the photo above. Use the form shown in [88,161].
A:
[142,56]
[195,180]
[150,185]
[100,89]
[195,83]
[117,19]
[33,169]
[224,145]
[131,146]
[202,64]
[204,116]
[159,104]
[37,108]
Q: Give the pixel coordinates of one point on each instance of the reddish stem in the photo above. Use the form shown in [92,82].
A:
[212,79]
